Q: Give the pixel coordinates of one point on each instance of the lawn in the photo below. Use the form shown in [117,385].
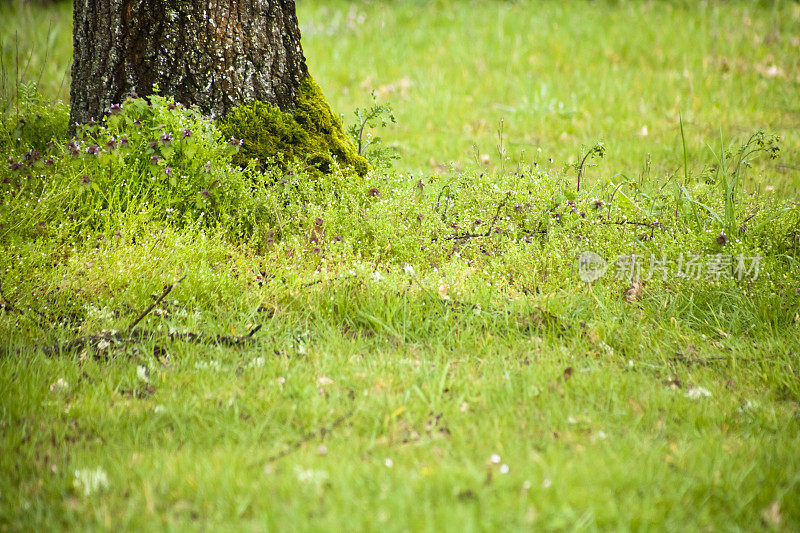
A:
[464,341]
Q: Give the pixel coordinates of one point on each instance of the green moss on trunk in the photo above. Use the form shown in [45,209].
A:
[310,134]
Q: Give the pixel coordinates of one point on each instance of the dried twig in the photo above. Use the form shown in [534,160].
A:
[115,337]
[153,306]
[7,305]
[306,437]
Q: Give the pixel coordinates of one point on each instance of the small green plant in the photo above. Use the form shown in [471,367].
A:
[31,121]
[597,150]
[724,179]
[367,144]
[147,155]
[730,169]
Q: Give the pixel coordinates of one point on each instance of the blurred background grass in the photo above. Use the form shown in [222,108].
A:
[479,84]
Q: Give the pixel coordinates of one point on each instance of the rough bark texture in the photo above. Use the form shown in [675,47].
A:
[215,54]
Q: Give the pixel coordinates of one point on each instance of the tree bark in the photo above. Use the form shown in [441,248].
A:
[215,54]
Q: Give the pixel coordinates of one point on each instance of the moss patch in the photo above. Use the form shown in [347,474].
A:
[310,133]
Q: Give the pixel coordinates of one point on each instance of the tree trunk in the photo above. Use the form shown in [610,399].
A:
[215,54]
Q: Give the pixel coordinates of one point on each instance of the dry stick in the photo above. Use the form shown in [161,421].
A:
[60,87]
[7,303]
[9,306]
[46,53]
[113,336]
[488,231]
[308,436]
[158,301]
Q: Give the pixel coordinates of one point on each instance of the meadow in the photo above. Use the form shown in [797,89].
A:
[567,296]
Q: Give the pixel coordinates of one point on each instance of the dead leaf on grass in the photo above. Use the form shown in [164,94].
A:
[772,515]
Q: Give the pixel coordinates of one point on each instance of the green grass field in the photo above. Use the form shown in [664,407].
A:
[429,356]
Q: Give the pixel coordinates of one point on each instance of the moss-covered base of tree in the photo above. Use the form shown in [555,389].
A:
[310,134]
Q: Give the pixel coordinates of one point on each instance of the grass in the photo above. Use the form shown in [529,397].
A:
[428,357]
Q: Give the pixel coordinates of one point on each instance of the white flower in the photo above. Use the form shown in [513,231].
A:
[60,384]
[376,276]
[310,476]
[90,481]
[257,362]
[495,458]
[408,269]
[504,468]
[143,373]
[388,462]
[159,408]
[207,365]
[697,392]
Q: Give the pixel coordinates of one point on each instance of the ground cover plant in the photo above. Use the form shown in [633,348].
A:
[565,297]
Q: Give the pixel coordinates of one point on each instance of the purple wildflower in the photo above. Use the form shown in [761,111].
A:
[205,193]
[166,138]
[111,144]
[168,171]
[374,192]
[86,178]
[93,149]
[124,142]
[236,142]
[115,109]
[154,160]
[722,240]
[74,148]
[187,133]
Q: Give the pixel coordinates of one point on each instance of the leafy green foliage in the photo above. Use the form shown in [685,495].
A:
[367,144]
[147,156]
[31,121]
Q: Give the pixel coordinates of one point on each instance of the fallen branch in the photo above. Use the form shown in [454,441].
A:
[311,435]
[7,305]
[167,290]
[106,339]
